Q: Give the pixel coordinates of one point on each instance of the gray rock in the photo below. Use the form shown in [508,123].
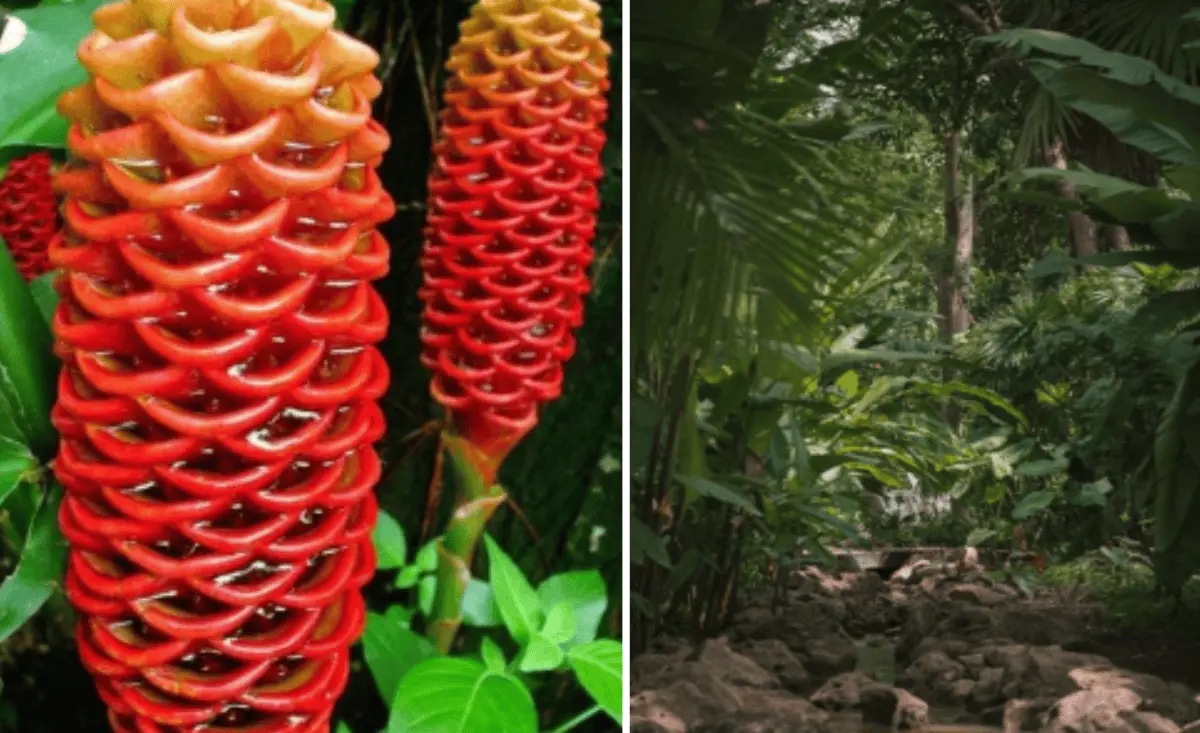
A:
[768,713]
[1098,710]
[932,675]
[974,664]
[826,656]
[977,594]
[775,657]
[1025,716]
[1169,699]
[959,692]
[733,668]
[843,692]
[895,708]
[988,691]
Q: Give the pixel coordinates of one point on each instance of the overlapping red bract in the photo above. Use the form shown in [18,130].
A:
[512,212]
[217,404]
[28,212]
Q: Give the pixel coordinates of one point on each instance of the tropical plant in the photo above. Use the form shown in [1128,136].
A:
[549,661]
[1151,110]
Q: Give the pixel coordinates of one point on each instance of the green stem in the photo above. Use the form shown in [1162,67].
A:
[478,501]
[578,720]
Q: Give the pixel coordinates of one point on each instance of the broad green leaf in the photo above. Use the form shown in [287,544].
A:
[479,605]
[598,668]
[391,648]
[1164,311]
[343,727]
[344,8]
[426,590]
[391,547]
[461,696]
[43,561]
[26,363]
[38,71]
[492,656]
[45,295]
[1048,467]
[719,492]
[540,655]
[515,597]
[644,543]
[979,536]
[16,463]
[1033,503]
[559,627]
[584,591]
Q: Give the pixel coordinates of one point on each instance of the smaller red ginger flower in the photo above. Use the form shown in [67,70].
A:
[513,204]
[28,213]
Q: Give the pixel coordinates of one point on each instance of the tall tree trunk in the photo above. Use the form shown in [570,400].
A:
[1083,230]
[954,276]
[1116,239]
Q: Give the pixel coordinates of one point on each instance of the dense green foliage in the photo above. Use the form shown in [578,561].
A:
[538,653]
[962,310]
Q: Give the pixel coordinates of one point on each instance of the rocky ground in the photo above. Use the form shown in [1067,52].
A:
[954,650]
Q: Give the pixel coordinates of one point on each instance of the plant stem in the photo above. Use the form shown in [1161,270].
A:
[478,500]
[578,720]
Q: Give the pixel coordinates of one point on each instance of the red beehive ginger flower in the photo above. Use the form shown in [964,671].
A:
[512,212]
[217,403]
[28,213]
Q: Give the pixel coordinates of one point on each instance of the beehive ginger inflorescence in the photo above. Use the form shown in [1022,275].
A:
[217,403]
[512,212]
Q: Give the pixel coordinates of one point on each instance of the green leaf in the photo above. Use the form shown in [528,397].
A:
[38,71]
[391,547]
[45,295]
[515,597]
[560,623]
[721,493]
[16,463]
[541,655]
[343,727]
[426,590]
[1043,468]
[344,8]
[408,576]
[644,543]
[979,536]
[391,648]
[492,656]
[851,357]
[585,593]
[43,561]
[27,366]
[848,383]
[461,696]
[479,606]
[1033,503]
[1163,312]
[427,557]
[598,668]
